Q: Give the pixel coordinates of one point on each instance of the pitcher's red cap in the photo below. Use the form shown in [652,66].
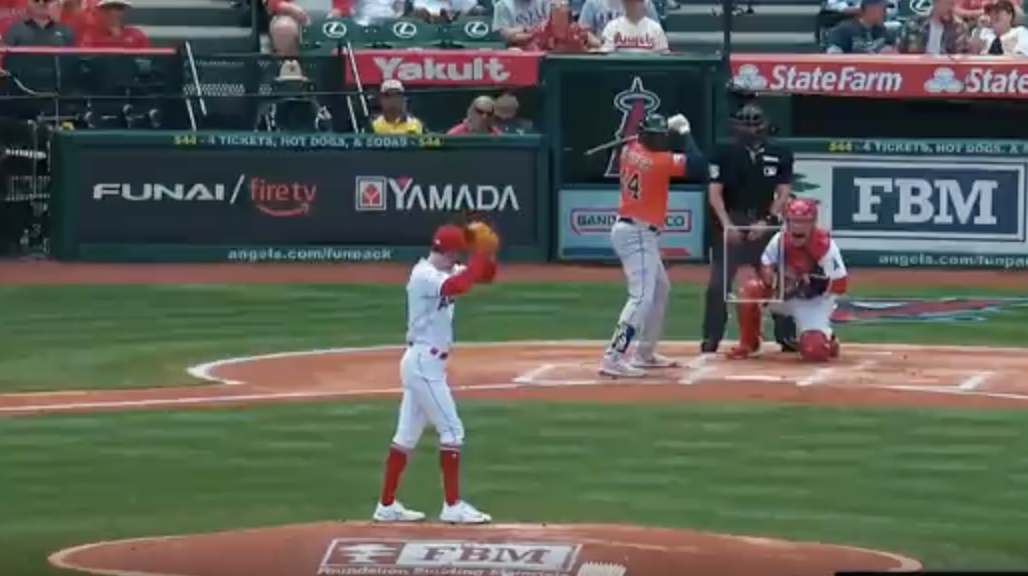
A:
[449,238]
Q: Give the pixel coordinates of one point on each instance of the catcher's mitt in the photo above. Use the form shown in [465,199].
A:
[794,284]
[481,237]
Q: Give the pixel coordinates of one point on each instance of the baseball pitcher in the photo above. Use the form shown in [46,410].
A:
[646,166]
[434,283]
[814,276]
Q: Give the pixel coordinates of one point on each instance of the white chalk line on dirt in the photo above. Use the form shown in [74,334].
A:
[973,382]
[697,368]
[63,558]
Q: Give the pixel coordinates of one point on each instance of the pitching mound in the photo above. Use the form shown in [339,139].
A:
[366,549]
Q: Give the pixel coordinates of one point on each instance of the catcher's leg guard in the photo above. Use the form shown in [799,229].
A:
[749,316]
[815,346]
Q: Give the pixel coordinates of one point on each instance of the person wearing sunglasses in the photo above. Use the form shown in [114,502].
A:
[479,119]
[39,28]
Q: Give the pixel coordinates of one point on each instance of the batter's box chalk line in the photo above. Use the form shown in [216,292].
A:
[535,377]
[601,569]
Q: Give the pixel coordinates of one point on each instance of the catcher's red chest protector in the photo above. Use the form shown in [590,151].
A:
[804,259]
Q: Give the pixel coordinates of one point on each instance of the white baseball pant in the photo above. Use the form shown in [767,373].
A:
[426,399]
[638,247]
[809,314]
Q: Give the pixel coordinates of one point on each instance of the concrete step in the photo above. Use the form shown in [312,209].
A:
[205,40]
[188,13]
[775,42]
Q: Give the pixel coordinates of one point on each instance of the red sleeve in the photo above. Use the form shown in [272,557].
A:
[458,129]
[489,273]
[272,5]
[84,38]
[838,286]
[136,38]
[462,281]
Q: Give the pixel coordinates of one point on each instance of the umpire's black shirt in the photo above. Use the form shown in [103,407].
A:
[749,176]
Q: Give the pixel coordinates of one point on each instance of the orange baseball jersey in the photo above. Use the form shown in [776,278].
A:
[645,176]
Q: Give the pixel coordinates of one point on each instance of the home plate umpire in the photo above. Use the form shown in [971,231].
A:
[750,182]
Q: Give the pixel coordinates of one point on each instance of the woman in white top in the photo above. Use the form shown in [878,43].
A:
[1002,38]
[634,31]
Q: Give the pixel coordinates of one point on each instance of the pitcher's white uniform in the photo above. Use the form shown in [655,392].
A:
[809,313]
[434,283]
[426,394]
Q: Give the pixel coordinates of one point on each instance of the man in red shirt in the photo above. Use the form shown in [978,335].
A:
[479,120]
[11,10]
[109,29]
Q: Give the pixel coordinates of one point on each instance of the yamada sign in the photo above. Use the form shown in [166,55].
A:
[447,67]
[882,76]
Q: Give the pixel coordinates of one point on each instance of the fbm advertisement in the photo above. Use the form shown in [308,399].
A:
[921,210]
[587,215]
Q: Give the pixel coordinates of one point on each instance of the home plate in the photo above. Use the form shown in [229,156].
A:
[757,378]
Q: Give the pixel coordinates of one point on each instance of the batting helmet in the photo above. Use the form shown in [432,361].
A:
[653,132]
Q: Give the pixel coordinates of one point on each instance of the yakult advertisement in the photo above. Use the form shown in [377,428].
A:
[587,215]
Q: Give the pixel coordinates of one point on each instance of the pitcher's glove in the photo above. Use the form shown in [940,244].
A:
[481,238]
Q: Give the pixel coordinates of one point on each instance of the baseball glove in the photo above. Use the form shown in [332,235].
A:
[481,238]
[794,284]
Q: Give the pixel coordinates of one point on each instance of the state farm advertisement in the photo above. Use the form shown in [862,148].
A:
[447,67]
[259,196]
[882,76]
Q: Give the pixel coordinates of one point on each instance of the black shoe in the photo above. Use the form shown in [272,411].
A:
[708,347]
[789,346]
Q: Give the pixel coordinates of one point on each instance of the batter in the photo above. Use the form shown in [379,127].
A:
[434,283]
[646,167]
[814,276]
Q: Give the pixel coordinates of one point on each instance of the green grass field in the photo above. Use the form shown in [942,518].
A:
[945,486]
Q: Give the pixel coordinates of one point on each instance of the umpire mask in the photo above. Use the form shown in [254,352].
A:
[749,125]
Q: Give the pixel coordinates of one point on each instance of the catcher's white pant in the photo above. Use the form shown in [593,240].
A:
[638,247]
[426,399]
[809,314]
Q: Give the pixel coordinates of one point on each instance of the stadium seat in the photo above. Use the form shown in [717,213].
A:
[470,32]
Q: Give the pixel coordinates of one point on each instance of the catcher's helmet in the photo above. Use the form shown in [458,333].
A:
[653,132]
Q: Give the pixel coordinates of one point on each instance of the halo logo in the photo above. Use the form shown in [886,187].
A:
[634,104]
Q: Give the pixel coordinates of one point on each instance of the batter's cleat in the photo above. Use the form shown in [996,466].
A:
[463,513]
[618,368]
[708,347]
[742,351]
[655,361]
[396,512]
[788,346]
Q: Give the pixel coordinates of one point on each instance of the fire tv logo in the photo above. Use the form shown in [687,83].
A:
[282,199]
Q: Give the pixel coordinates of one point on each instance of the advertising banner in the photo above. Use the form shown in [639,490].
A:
[882,76]
[587,215]
[281,196]
[921,209]
[485,67]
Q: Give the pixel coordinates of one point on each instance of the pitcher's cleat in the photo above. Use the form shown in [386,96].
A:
[396,512]
[463,513]
[742,351]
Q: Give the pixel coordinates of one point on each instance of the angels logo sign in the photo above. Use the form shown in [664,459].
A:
[634,104]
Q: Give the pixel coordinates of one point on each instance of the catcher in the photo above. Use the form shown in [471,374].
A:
[435,282]
[814,275]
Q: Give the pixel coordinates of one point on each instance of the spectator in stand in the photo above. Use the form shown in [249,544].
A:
[518,21]
[394,118]
[560,33]
[505,116]
[294,110]
[596,14]
[79,15]
[479,120]
[110,30]
[974,11]
[865,34]
[634,31]
[938,32]
[288,17]
[40,27]
[376,10]
[1001,38]
[445,10]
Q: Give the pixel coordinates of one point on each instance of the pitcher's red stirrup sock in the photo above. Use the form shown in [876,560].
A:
[395,462]
[449,464]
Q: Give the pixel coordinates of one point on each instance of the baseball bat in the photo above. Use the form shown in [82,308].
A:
[611,144]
